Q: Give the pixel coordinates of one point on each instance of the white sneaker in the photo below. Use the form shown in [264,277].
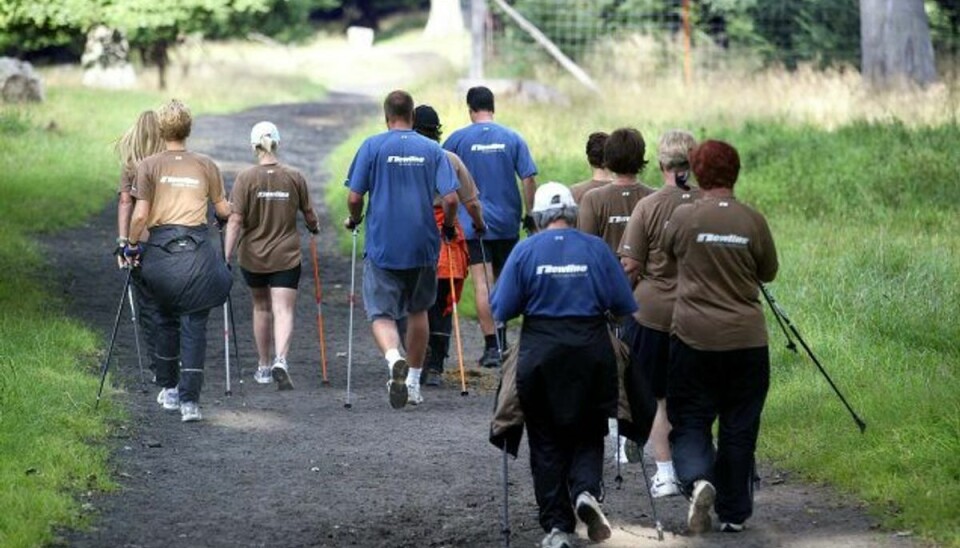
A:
[556,539]
[263,375]
[397,385]
[413,394]
[279,373]
[728,527]
[588,510]
[698,517]
[664,486]
[169,398]
[189,411]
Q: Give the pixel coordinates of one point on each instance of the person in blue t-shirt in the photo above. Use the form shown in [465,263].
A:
[401,171]
[565,283]
[495,155]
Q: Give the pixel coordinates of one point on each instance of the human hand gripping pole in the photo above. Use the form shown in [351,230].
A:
[781,315]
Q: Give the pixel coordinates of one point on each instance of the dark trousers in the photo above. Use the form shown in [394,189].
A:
[563,466]
[706,386]
[441,325]
[181,348]
[147,313]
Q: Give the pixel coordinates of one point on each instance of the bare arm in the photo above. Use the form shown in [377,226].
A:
[313,223]
[355,206]
[475,210]
[450,206]
[222,209]
[124,210]
[234,225]
[138,221]
[632,268]
[529,189]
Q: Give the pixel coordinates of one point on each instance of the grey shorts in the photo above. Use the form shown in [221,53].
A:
[395,293]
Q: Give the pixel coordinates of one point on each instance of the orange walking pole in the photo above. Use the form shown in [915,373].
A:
[318,294]
[456,323]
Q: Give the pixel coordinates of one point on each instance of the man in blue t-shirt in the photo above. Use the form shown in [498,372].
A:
[495,155]
[402,171]
[564,283]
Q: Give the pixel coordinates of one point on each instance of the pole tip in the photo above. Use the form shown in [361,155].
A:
[325,382]
[348,405]
[464,393]
[228,392]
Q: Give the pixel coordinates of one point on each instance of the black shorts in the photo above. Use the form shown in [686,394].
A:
[651,351]
[497,252]
[283,278]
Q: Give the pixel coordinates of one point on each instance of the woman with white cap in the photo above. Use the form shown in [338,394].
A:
[565,283]
[266,198]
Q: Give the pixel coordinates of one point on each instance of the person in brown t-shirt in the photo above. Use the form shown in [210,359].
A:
[719,360]
[601,176]
[266,199]
[454,258]
[181,268]
[655,275]
[604,211]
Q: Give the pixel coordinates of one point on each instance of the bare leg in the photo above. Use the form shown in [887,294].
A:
[283,300]
[386,334]
[482,298]
[418,329]
[262,322]
[659,433]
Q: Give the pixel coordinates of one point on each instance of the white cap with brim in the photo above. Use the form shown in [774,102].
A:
[552,195]
[264,129]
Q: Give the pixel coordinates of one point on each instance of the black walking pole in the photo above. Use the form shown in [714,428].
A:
[229,318]
[136,336]
[773,306]
[113,337]
[779,312]
[653,505]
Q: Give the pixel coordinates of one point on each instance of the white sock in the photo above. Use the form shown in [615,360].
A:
[665,469]
[413,376]
[392,356]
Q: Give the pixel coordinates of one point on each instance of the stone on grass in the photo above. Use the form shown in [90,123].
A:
[19,83]
[105,60]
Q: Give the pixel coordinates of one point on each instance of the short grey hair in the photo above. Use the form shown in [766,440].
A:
[543,218]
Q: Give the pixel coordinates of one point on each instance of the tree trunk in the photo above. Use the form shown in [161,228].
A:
[445,18]
[895,43]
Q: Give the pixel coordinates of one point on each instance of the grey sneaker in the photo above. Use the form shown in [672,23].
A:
[431,377]
[490,358]
[169,398]
[698,517]
[279,373]
[413,394]
[397,385]
[263,375]
[556,539]
[588,510]
[189,411]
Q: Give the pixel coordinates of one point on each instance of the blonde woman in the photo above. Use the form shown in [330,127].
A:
[266,198]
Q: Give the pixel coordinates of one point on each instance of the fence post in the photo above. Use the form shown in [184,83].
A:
[478,19]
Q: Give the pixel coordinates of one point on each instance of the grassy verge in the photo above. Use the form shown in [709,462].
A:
[865,219]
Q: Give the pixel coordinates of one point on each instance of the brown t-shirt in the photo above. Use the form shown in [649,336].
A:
[581,188]
[468,188]
[605,211]
[268,197]
[178,184]
[723,250]
[642,242]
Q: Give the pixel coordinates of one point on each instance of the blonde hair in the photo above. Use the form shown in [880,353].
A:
[175,121]
[673,150]
[141,140]
[266,146]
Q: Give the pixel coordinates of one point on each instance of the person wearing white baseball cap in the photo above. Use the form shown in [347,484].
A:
[266,198]
[564,282]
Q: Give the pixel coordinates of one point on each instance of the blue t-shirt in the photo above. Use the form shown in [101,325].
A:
[561,273]
[402,171]
[495,156]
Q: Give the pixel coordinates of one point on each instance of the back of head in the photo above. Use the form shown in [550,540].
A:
[673,150]
[264,138]
[716,164]
[594,149]
[480,98]
[553,201]
[175,121]
[141,140]
[623,152]
[398,106]
[426,122]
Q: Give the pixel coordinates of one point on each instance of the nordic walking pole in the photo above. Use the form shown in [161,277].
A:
[783,315]
[352,299]
[226,345]
[113,337]
[136,335]
[318,294]
[770,300]
[456,323]
[653,505]
[236,345]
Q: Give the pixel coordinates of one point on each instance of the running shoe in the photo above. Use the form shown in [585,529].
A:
[189,411]
[169,398]
[664,486]
[279,373]
[263,375]
[490,358]
[588,510]
[728,527]
[413,394]
[397,385]
[698,517]
[556,539]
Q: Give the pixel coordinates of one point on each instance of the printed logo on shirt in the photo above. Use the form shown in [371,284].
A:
[406,160]
[182,182]
[722,239]
[273,195]
[617,219]
[492,147]
[562,270]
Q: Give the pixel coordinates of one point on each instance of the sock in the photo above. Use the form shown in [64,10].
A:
[665,469]
[490,341]
[413,376]
[392,356]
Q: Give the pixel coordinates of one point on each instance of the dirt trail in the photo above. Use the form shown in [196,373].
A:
[292,469]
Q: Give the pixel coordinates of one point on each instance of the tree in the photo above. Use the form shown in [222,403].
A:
[895,43]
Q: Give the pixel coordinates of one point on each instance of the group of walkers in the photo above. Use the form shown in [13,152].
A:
[674,273]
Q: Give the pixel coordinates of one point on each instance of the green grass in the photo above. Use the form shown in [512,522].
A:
[866,222]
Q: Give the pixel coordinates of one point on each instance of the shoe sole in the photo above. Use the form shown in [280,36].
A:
[398,384]
[698,519]
[598,528]
[280,375]
[191,418]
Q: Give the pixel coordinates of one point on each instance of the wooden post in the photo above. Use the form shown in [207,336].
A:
[478,19]
[687,61]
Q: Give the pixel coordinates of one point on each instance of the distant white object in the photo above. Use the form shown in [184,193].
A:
[105,60]
[446,19]
[18,81]
[360,37]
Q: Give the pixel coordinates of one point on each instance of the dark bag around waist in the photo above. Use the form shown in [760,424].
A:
[183,270]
